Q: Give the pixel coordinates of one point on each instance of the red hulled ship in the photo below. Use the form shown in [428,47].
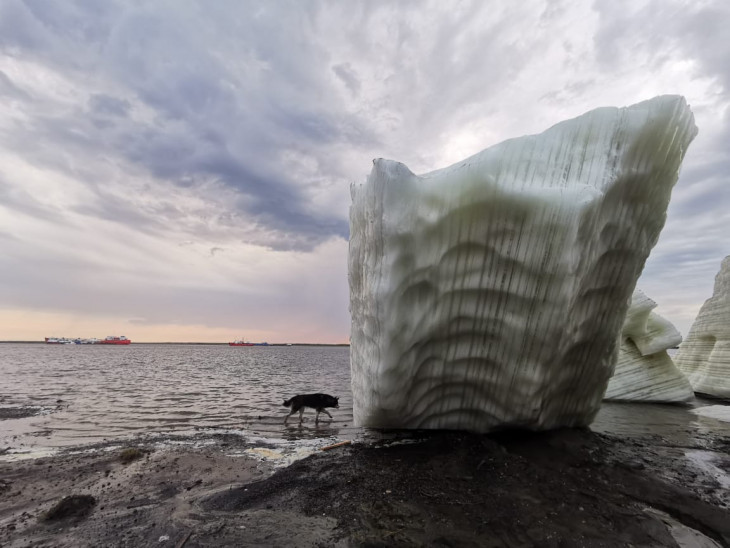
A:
[111,339]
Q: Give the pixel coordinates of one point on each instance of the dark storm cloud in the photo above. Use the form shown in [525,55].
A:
[209,122]
[230,88]
[194,126]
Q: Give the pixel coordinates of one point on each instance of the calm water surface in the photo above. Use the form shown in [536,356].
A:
[93,392]
[90,393]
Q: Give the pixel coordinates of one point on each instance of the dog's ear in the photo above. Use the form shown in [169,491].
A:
[337,398]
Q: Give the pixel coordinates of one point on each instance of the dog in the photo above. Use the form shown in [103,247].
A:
[315,401]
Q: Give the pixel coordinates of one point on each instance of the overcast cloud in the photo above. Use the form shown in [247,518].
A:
[180,170]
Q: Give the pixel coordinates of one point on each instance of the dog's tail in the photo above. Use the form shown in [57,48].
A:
[287,403]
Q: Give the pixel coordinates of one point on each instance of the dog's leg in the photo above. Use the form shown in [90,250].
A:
[289,415]
[316,419]
[327,412]
[301,415]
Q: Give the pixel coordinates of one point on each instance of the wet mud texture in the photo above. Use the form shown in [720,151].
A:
[564,488]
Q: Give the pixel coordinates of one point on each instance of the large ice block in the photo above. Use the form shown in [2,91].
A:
[491,293]
[704,356]
[644,371]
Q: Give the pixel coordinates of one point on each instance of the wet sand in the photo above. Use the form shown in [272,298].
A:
[563,488]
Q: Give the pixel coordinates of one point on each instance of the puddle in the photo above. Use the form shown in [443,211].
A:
[717,412]
[279,458]
[20,454]
[275,451]
[281,453]
[677,424]
[705,462]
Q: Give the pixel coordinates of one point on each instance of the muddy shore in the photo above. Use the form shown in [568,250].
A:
[563,488]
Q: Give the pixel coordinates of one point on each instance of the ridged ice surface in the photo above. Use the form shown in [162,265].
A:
[492,293]
[644,370]
[704,356]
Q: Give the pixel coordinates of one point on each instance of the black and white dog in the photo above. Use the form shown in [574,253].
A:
[315,401]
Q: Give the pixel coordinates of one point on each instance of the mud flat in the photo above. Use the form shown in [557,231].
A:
[563,488]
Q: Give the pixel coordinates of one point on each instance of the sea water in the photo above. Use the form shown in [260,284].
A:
[90,393]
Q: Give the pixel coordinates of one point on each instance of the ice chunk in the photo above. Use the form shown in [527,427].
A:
[644,371]
[491,293]
[705,355]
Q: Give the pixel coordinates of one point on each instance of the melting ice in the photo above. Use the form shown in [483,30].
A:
[491,293]
[705,356]
[644,371]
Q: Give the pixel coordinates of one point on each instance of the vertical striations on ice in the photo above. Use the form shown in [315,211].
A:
[491,293]
[644,370]
[705,355]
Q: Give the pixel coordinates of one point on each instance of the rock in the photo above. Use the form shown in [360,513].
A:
[491,293]
[130,454]
[72,506]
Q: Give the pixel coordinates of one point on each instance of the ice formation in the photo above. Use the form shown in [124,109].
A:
[644,370]
[491,293]
[705,355]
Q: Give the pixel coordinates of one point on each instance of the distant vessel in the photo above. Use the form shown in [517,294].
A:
[111,339]
[78,340]
[240,342]
[60,340]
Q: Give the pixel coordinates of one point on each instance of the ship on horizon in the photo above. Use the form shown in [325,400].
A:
[244,342]
[111,339]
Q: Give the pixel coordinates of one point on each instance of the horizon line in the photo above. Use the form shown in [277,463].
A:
[187,342]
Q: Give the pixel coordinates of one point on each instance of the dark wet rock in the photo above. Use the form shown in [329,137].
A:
[631,465]
[131,454]
[72,506]
[470,490]
[194,484]
[565,488]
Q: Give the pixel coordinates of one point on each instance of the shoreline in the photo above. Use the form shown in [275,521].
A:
[565,487]
[189,343]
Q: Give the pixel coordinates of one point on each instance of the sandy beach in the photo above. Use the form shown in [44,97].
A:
[562,488]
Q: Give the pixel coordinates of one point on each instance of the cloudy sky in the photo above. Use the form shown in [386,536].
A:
[180,170]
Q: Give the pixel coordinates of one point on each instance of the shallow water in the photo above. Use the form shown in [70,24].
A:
[677,424]
[93,393]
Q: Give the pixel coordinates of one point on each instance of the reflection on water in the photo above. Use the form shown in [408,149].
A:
[678,424]
[106,392]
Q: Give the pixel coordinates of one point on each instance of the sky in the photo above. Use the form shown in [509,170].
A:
[180,170]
